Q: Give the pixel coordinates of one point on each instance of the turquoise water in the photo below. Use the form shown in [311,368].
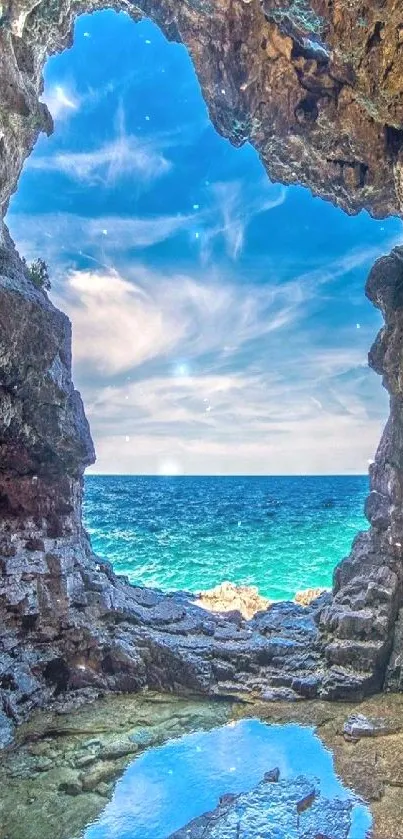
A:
[169,785]
[280,534]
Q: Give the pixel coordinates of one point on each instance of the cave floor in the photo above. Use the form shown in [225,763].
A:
[61,772]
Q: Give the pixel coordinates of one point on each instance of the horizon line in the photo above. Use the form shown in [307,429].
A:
[232,475]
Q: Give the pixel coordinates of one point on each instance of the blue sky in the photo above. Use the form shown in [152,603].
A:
[219,320]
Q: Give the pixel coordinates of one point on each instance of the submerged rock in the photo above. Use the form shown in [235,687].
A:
[280,809]
[228,597]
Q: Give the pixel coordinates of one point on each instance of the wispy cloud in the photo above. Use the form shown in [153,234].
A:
[210,423]
[194,373]
[63,237]
[61,101]
[124,156]
[120,158]
[167,317]
[236,204]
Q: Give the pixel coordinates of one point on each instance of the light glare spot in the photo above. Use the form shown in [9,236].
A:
[182,370]
[169,467]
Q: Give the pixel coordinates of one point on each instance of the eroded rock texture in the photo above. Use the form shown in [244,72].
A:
[318,92]
[316,88]
[368,584]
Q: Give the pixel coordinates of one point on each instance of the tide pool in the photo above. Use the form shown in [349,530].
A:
[169,785]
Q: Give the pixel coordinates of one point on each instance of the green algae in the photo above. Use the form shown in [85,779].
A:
[300,15]
[62,771]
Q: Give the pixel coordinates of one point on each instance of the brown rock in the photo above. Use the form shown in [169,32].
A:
[228,597]
[306,596]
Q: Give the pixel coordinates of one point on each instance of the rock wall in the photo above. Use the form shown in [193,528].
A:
[317,90]
[368,585]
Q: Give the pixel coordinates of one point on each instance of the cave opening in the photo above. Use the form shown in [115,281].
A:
[219,324]
[208,352]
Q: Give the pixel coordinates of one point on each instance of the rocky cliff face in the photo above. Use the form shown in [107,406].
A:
[368,584]
[317,90]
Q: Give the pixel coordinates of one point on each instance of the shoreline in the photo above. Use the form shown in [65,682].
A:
[228,597]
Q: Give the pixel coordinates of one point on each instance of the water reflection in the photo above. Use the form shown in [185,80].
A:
[170,785]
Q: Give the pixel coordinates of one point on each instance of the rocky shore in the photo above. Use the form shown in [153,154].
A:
[244,601]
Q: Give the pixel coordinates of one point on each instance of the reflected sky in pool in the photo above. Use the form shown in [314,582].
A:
[170,785]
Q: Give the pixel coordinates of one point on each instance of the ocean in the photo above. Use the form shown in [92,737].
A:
[281,534]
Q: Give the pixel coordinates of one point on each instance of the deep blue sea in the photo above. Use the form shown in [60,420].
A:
[282,534]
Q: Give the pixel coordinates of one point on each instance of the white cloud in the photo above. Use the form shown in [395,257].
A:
[61,101]
[254,427]
[237,203]
[120,158]
[124,156]
[61,238]
[178,319]
[117,325]
[185,375]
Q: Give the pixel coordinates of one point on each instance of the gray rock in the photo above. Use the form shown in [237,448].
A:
[358,725]
[6,730]
[288,809]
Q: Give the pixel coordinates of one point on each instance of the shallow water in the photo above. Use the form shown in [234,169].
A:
[168,786]
[280,534]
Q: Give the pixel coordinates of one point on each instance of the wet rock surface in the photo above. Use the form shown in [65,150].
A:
[128,638]
[292,809]
[361,621]
[63,769]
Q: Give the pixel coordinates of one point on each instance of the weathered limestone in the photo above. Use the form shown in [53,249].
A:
[368,584]
[318,92]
